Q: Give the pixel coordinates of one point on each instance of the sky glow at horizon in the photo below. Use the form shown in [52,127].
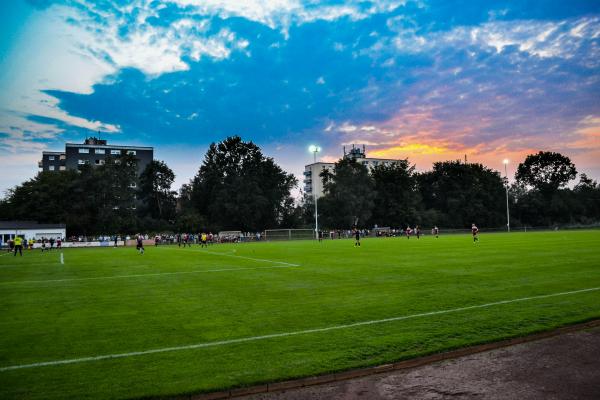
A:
[424,80]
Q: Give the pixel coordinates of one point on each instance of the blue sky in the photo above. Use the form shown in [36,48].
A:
[427,80]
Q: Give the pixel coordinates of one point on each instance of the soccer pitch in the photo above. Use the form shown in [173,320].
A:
[110,323]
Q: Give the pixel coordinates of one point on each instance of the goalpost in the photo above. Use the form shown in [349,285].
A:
[289,234]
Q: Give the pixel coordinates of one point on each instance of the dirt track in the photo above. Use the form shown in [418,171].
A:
[561,367]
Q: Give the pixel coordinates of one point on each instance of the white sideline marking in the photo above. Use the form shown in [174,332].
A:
[284,334]
[247,258]
[141,275]
[7,253]
[62,258]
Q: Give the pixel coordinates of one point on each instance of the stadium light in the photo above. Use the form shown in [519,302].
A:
[315,149]
[505,162]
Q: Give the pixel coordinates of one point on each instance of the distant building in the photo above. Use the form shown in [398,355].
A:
[313,184]
[94,152]
[30,230]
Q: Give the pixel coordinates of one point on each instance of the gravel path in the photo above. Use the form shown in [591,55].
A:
[561,367]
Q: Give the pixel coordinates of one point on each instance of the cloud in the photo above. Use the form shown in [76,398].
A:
[424,80]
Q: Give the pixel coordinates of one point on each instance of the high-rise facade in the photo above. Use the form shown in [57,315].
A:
[93,152]
[313,184]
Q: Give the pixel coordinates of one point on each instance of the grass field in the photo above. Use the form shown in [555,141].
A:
[192,320]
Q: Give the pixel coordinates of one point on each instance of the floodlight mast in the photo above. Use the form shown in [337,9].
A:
[505,162]
[315,149]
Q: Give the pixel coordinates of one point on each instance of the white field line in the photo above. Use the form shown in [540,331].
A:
[284,334]
[142,275]
[62,258]
[216,253]
[6,254]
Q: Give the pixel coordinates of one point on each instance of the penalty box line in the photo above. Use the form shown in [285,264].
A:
[284,334]
[216,253]
[142,275]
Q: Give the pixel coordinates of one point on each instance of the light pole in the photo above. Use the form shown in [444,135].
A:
[315,149]
[505,162]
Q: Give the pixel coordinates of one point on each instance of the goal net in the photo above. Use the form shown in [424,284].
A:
[229,236]
[289,234]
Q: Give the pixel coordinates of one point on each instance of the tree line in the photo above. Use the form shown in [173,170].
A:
[455,194]
[237,187]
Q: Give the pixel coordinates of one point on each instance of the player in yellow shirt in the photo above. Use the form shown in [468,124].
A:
[19,245]
[203,238]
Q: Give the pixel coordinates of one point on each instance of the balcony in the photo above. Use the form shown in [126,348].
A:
[40,165]
[307,173]
[308,181]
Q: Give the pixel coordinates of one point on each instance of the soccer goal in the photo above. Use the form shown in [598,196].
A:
[289,234]
[229,236]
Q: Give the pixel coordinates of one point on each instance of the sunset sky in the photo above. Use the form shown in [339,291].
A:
[424,80]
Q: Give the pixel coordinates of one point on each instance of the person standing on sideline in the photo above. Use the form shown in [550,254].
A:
[475,231]
[418,231]
[19,245]
[435,231]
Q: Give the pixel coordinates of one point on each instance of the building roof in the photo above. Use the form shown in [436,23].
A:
[108,146]
[29,225]
[56,153]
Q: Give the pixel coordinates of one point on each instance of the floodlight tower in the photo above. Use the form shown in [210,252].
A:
[505,162]
[315,149]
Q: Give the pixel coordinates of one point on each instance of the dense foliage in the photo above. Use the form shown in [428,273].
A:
[238,188]
[456,194]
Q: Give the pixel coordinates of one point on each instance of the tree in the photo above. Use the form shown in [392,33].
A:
[587,194]
[463,193]
[397,200]
[546,171]
[154,192]
[237,187]
[348,195]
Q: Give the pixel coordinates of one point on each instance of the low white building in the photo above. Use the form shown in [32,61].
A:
[313,183]
[30,230]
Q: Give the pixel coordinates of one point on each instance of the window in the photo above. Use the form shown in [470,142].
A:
[84,151]
[51,168]
[115,152]
[81,162]
[375,163]
[99,162]
[365,163]
[63,157]
[100,151]
[133,184]
[131,152]
[62,168]
[51,158]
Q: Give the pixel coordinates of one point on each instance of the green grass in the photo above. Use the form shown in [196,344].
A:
[336,284]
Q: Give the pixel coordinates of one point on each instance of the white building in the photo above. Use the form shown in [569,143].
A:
[313,183]
[30,230]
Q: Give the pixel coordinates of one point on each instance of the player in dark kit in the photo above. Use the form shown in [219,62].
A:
[435,231]
[140,244]
[357,237]
[475,231]
[418,231]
